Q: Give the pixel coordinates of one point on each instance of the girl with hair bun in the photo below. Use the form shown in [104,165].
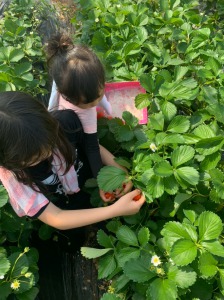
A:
[78,84]
[43,165]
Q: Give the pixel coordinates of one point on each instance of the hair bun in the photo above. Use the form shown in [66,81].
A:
[58,44]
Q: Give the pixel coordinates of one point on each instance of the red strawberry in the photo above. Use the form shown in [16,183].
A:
[109,195]
[137,197]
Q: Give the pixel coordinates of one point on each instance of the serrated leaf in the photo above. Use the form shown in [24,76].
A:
[3,196]
[130,119]
[143,236]
[155,186]
[169,110]
[210,145]
[179,72]
[163,169]
[103,239]
[93,252]
[138,270]
[188,174]
[18,261]
[109,296]
[127,236]
[178,200]
[181,155]
[210,226]
[173,231]
[207,265]
[157,121]
[107,264]
[204,131]
[131,48]
[124,133]
[179,124]
[183,277]
[125,254]
[214,247]
[110,178]
[183,252]
[170,185]
[191,215]
[142,101]
[162,289]
[211,161]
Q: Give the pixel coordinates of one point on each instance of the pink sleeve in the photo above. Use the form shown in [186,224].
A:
[88,116]
[24,200]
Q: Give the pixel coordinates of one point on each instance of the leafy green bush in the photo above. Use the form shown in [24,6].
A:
[173,249]
[22,63]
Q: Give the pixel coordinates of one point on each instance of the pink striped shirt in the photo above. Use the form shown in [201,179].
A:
[27,202]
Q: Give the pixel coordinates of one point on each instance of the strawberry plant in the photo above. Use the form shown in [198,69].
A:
[172,249]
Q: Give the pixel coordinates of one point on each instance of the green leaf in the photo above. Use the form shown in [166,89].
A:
[127,236]
[204,131]
[210,226]
[188,174]
[131,48]
[3,196]
[130,119]
[120,282]
[107,264]
[157,121]
[143,236]
[191,215]
[181,155]
[178,200]
[124,133]
[210,145]
[207,265]
[110,178]
[162,289]
[103,239]
[93,252]
[214,247]
[109,296]
[142,101]
[125,254]
[16,55]
[179,124]
[163,169]
[22,68]
[138,270]
[183,252]
[147,82]
[170,185]
[173,231]
[155,186]
[169,110]
[183,277]
[180,72]
[211,161]
[18,261]
[4,265]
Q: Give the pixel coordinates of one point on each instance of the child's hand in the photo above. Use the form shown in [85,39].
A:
[107,196]
[126,187]
[126,205]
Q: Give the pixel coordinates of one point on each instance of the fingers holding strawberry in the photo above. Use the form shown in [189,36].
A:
[107,196]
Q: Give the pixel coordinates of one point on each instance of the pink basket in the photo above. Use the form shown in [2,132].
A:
[122,95]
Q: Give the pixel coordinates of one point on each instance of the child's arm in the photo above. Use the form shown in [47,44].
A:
[68,219]
[54,98]
[108,160]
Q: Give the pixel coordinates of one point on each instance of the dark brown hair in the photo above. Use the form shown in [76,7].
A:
[27,130]
[76,69]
